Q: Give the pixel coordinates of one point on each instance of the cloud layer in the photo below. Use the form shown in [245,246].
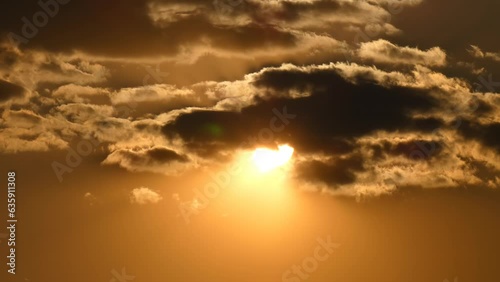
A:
[166,86]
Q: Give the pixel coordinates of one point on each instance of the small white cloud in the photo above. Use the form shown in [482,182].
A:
[176,197]
[476,52]
[78,93]
[90,198]
[383,51]
[144,195]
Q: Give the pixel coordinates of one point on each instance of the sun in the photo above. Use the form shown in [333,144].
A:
[267,159]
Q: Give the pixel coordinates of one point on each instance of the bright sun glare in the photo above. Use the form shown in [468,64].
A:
[267,159]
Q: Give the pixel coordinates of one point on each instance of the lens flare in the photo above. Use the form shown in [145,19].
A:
[267,159]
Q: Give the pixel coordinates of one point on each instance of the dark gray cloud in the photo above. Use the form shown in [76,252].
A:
[124,28]
[157,159]
[333,172]
[335,117]
[487,134]
[9,91]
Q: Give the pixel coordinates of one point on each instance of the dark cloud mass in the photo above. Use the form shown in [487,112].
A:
[334,109]
[131,31]
[487,134]
[333,172]
[10,91]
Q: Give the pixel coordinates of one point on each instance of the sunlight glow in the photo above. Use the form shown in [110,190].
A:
[267,159]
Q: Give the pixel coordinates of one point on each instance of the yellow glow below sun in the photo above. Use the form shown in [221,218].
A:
[267,159]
